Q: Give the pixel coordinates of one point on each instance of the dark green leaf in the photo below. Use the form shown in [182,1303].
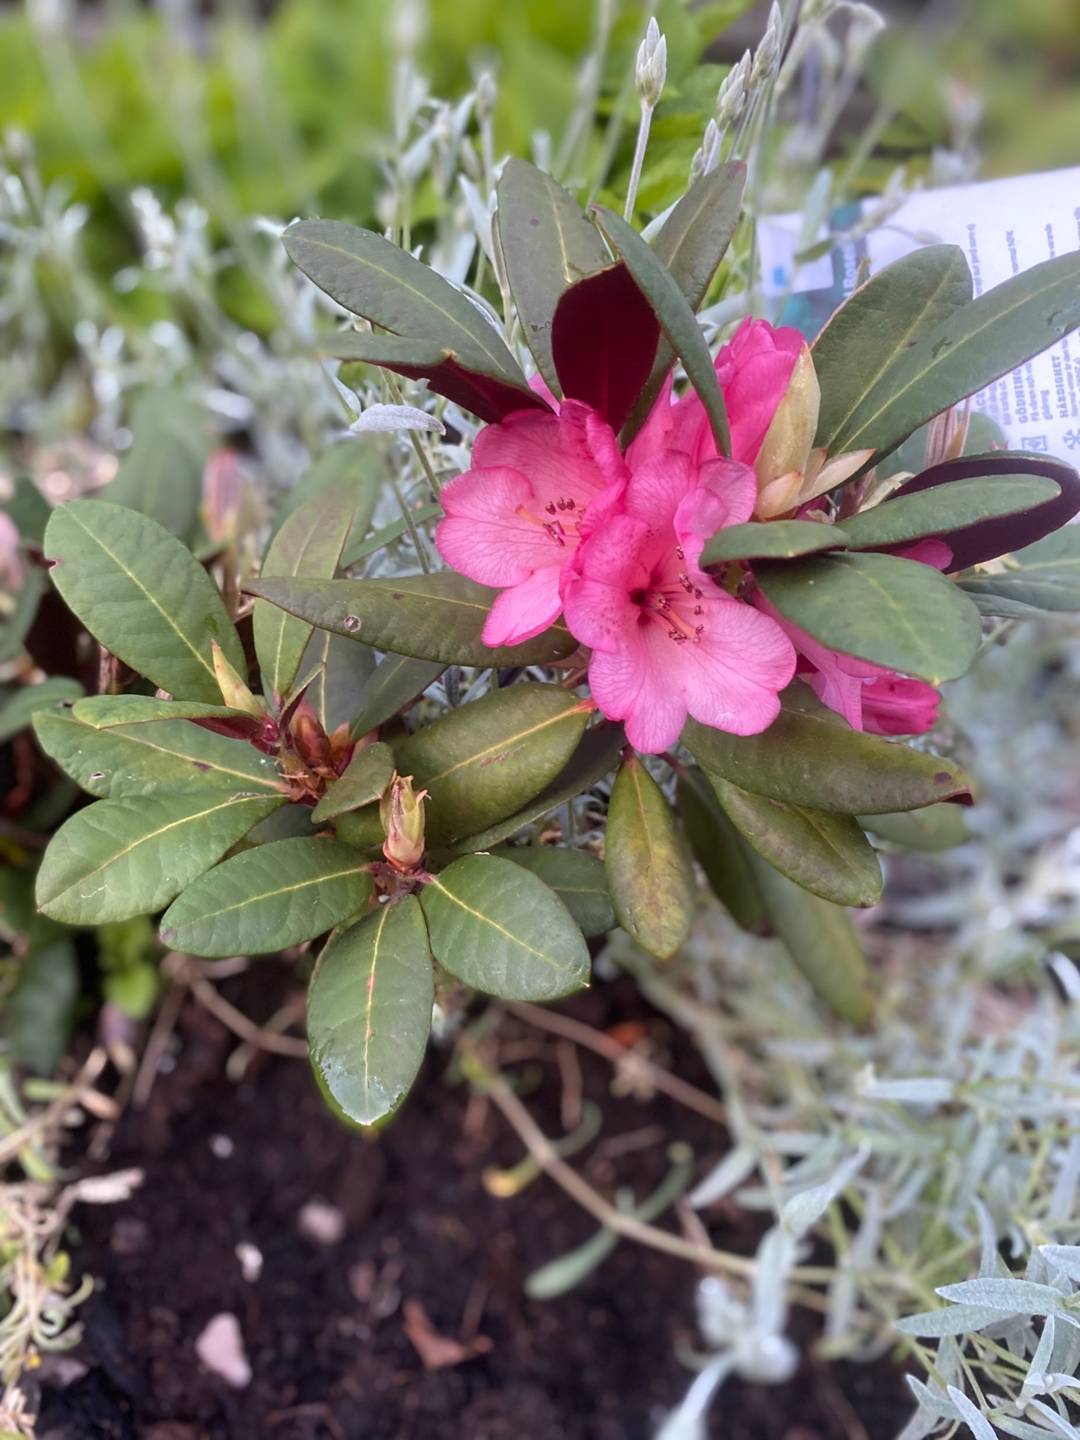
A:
[358,463]
[268,898]
[354,553]
[501,930]
[336,672]
[776,540]
[40,1011]
[395,683]
[897,613]
[810,756]
[718,848]
[595,757]
[996,333]
[877,325]
[947,507]
[364,779]
[820,940]
[547,245]
[1046,577]
[119,858]
[482,762]
[15,624]
[938,827]
[825,853]
[142,594]
[18,708]
[676,318]
[29,509]
[648,871]
[162,474]
[369,1012]
[430,617]
[576,877]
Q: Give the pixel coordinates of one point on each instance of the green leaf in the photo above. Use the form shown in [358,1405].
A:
[1046,577]
[395,683]
[501,930]
[820,939]
[369,1012]
[162,474]
[430,617]
[360,465]
[825,853]
[15,625]
[718,848]
[364,779]
[142,594]
[946,507]
[595,757]
[810,756]
[547,245]
[39,1013]
[897,613]
[648,871]
[938,827]
[877,325]
[993,335]
[482,762]
[775,540]
[576,877]
[19,708]
[676,318]
[309,543]
[268,898]
[29,509]
[360,550]
[691,243]
[119,858]
[110,753]
[336,672]
[376,279]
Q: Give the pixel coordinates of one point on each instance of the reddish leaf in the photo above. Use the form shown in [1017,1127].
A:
[604,338]
[990,538]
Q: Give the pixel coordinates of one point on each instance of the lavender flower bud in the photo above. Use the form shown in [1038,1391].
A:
[650,71]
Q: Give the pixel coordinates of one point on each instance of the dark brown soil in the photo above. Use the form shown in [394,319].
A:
[324,1323]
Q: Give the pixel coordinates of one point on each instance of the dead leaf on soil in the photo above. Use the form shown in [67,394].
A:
[438,1351]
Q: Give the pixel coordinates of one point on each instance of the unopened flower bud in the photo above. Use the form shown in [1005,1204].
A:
[768,51]
[731,97]
[234,691]
[650,71]
[790,435]
[401,811]
[707,155]
[486,94]
[310,740]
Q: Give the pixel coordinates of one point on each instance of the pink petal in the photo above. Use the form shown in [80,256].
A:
[487,534]
[658,488]
[655,434]
[599,582]
[524,610]
[553,451]
[726,495]
[732,677]
[629,685]
[895,705]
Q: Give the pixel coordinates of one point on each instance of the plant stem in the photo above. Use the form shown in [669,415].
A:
[644,126]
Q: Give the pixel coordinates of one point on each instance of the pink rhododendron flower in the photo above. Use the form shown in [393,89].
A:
[539,484]
[753,369]
[667,641]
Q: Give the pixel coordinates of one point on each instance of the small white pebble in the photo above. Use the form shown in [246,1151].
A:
[251,1261]
[322,1223]
[221,1146]
[220,1347]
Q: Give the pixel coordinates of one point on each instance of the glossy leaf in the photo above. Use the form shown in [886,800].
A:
[142,594]
[120,858]
[309,543]
[877,324]
[595,757]
[491,397]
[369,1012]
[820,939]
[718,848]
[691,243]
[603,341]
[938,827]
[268,898]
[547,245]
[974,345]
[775,540]
[19,706]
[364,779]
[430,617]
[482,762]
[825,853]
[576,877]
[676,318]
[896,613]
[376,279]
[500,929]
[161,474]
[109,754]
[648,870]
[395,683]
[1047,577]
[916,514]
[988,538]
[810,756]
